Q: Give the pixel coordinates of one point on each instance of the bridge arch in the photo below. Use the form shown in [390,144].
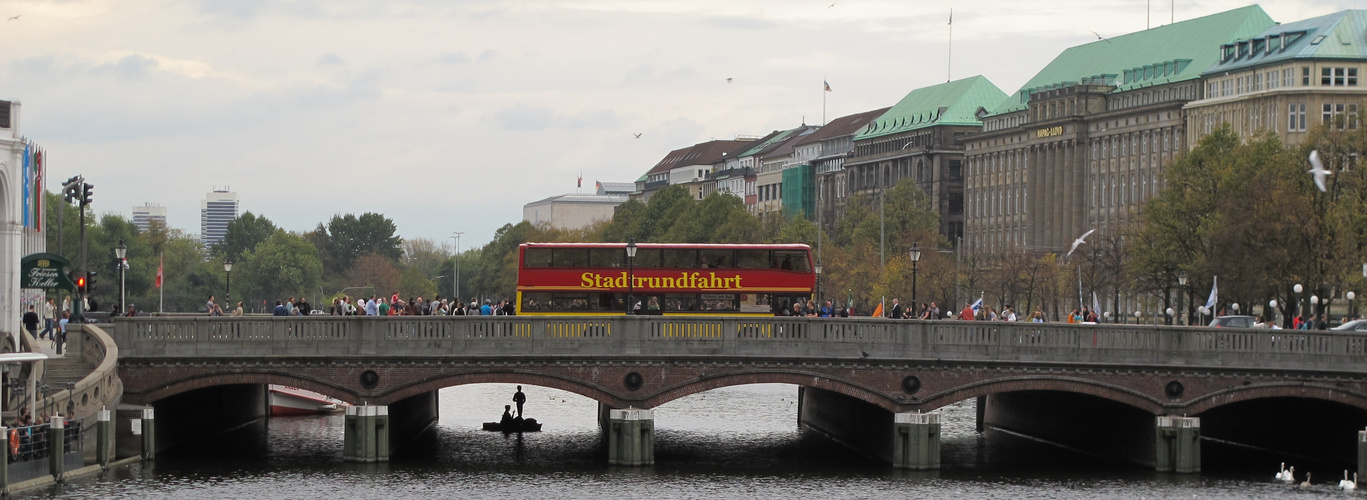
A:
[582,388]
[1239,394]
[795,377]
[192,383]
[1054,383]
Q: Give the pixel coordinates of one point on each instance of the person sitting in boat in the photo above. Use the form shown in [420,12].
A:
[507,421]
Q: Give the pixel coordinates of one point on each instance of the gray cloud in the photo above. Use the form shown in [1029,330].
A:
[524,117]
[330,59]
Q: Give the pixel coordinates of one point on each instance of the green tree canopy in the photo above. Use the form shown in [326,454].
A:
[243,234]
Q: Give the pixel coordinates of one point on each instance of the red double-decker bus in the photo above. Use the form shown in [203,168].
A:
[663,278]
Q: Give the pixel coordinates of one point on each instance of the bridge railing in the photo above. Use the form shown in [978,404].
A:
[254,337]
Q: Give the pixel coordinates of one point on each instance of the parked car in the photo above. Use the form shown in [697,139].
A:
[1233,322]
[1357,325]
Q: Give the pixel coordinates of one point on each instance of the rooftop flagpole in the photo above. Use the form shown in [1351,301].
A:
[949,63]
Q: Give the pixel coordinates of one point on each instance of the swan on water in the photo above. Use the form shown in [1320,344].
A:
[1288,475]
[1345,484]
[1306,484]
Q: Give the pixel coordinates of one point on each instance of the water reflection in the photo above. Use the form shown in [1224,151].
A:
[738,442]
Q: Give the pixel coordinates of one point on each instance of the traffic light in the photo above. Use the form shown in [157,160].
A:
[87,194]
[90,281]
[71,188]
[80,284]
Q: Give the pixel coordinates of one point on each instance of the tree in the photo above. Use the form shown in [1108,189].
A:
[346,238]
[243,234]
[281,266]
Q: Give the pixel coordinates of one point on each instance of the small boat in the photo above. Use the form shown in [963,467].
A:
[528,425]
[286,401]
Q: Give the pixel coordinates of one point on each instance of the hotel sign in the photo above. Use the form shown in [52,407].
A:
[1049,132]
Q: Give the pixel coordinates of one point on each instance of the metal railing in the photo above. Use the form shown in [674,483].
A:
[779,337]
[34,441]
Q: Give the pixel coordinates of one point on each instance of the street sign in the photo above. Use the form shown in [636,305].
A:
[44,270]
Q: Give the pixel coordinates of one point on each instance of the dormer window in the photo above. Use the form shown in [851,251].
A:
[1317,40]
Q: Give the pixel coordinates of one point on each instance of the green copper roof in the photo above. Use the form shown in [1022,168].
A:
[952,103]
[1341,35]
[1172,53]
[768,142]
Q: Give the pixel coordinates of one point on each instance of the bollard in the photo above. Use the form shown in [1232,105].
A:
[1178,446]
[104,433]
[366,434]
[149,437]
[631,437]
[916,441]
[1362,453]
[4,461]
[56,442]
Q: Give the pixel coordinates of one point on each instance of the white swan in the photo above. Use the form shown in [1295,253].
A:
[1287,476]
[1281,474]
[1345,484]
[1306,484]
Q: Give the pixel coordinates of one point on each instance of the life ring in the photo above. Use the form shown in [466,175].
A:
[14,442]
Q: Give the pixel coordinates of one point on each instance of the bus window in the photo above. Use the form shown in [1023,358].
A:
[719,302]
[754,303]
[571,257]
[534,301]
[680,257]
[716,258]
[791,260]
[647,257]
[681,302]
[752,259]
[607,257]
[537,257]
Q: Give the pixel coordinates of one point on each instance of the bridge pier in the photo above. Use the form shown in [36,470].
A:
[1088,423]
[1362,454]
[1178,445]
[916,441]
[858,424]
[631,437]
[366,434]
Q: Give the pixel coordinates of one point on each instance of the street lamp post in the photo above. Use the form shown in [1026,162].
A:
[915,258]
[818,284]
[631,275]
[1351,305]
[1181,298]
[1314,307]
[228,271]
[1298,289]
[1272,305]
[455,290]
[121,251]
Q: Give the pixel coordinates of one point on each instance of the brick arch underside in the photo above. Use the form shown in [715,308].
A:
[1072,385]
[262,378]
[1241,394]
[799,378]
[582,388]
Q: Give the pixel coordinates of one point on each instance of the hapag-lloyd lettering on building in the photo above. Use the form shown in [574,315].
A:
[685,280]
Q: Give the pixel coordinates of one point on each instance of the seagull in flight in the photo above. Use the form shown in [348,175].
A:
[1317,169]
[1099,37]
[13,18]
[831,5]
[638,135]
[1079,241]
[728,80]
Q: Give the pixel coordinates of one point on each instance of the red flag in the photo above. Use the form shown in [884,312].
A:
[581,181]
[827,85]
[161,261]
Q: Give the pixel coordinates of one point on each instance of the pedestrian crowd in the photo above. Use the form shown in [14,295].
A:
[382,306]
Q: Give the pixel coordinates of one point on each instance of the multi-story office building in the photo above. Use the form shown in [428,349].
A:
[1085,142]
[1286,79]
[921,137]
[215,212]
[825,151]
[145,215]
[692,167]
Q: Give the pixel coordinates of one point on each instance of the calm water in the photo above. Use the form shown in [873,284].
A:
[739,442]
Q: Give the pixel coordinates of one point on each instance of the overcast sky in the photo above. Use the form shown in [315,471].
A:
[450,115]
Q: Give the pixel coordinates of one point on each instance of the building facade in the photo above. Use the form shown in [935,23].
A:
[144,216]
[573,211]
[1086,141]
[1286,80]
[921,138]
[215,212]
[826,151]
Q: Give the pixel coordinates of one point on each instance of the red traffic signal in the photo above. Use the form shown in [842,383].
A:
[80,283]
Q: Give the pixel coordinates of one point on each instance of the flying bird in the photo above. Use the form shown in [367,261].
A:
[1317,169]
[13,18]
[1099,37]
[831,5]
[638,135]
[1079,241]
[728,80]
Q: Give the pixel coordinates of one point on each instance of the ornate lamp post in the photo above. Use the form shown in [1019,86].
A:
[631,275]
[1272,305]
[121,251]
[1235,307]
[228,270]
[1181,298]
[1314,307]
[915,259]
[1298,289]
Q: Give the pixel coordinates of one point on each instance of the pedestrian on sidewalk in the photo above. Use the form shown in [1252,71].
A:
[31,321]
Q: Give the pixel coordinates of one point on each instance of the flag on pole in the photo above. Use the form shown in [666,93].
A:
[827,84]
[161,262]
[979,304]
[878,311]
[1096,304]
[951,17]
[581,180]
[1214,294]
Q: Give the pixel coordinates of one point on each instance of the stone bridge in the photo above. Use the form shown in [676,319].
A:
[1036,375]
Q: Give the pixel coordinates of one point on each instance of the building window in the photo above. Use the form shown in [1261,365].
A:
[1305,76]
[1295,118]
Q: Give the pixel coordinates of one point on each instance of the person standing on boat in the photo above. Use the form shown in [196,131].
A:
[519,398]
